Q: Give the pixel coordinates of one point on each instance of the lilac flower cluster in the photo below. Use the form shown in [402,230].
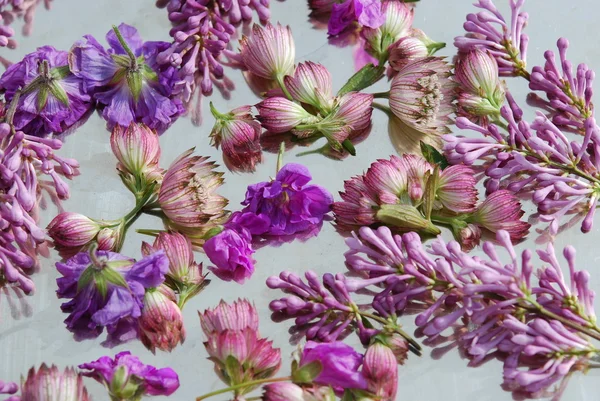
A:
[202,31]
[10,10]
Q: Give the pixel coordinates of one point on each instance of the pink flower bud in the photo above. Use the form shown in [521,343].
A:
[456,189]
[397,24]
[238,315]
[187,195]
[293,392]
[399,347]
[469,237]
[354,109]
[178,249]
[161,323]
[381,371]
[415,46]
[279,115]
[269,51]
[136,147]
[502,211]
[49,384]
[238,135]
[311,84]
[109,238]
[72,229]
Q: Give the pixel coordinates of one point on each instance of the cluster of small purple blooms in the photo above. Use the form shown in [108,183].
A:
[554,159]
[244,361]
[124,376]
[12,10]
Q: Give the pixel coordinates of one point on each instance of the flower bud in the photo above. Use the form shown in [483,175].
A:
[72,229]
[399,347]
[415,46]
[279,115]
[501,210]
[292,392]
[311,84]
[109,238]
[381,371]
[136,148]
[269,51]
[178,249]
[469,237]
[397,24]
[161,323]
[49,384]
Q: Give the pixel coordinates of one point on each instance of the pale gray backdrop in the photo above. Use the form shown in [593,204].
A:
[99,193]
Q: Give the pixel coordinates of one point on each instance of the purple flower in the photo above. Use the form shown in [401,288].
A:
[231,253]
[126,80]
[339,363]
[52,99]
[366,12]
[288,202]
[126,377]
[107,290]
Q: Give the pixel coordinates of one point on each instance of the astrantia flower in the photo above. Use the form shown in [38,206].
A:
[127,378]
[72,229]
[380,369]
[422,93]
[187,193]
[456,189]
[397,24]
[238,135]
[366,12]
[269,51]
[339,364]
[292,392]
[311,84]
[50,384]
[126,79]
[501,210]
[278,114]
[414,46]
[288,202]
[238,315]
[161,322]
[52,99]
[107,290]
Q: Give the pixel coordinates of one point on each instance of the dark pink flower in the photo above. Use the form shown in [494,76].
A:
[231,253]
[50,384]
[269,51]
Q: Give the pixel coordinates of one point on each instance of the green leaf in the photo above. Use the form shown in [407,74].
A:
[364,78]
[134,81]
[429,194]
[433,156]
[58,92]
[307,373]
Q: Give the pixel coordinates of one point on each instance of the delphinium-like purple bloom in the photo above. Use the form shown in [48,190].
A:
[107,289]
[11,10]
[52,98]
[232,334]
[569,92]
[126,377]
[202,31]
[289,203]
[545,326]
[536,158]
[505,40]
[126,80]
[366,12]
[49,384]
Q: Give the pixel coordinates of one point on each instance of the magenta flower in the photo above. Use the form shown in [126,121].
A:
[106,289]
[238,135]
[187,192]
[339,364]
[231,253]
[290,204]
[53,99]
[126,80]
[269,52]
[50,384]
[366,12]
[422,94]
[161,322]
[126,377]
[380,369]
[456,189]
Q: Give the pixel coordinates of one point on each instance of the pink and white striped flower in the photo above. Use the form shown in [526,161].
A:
[269,51]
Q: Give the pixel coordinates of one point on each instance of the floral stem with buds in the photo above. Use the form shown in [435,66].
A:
[244,385]
[536,307]
[398,330]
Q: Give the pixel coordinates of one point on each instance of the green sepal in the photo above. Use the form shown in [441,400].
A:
[60,72]
[58,92]
[307,373]
[113,276]
[122,60]
[233,369]
[213,232]
[101,286]
[365,77]
[135,82]
[86,278]
[429,193]
[42,97]
[347,144]
[433,156]
[147,72]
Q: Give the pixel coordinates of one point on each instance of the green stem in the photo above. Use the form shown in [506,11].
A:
[381,95]
[150,232]
[280,157]
[383,108]
[398,330]
[281,84]
[216,114]
[12,108]
[243,385]
[134,64]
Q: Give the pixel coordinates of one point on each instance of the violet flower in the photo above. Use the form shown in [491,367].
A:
[49,384]
[366,12]
[232,255]
[107,289]
[126,377]
[505,40]
[288,202]
[537,159]
[126,80]
[52,99]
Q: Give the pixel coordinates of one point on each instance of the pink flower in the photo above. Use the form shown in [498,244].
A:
[397,25]
[469,237]
[238,135]
[161,322]
[381,371]
[50,384]
[236,316]
[269,51]
[292,392]
[501,210]
[456,189]
[279,115]
[311,84]
[73,229]
[422,93]
[415,46]
[138,151]
[358,205]
[187,194]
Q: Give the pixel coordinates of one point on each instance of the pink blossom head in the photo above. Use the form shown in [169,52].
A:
[311,84]
[456,189]
[422,93]
[72,229]
[238,135]
[358,206]
[292,392]
[381,371]
[161,322]
[50,384]
[237,316]
[137,149]
[397,24]
[501,210]
[279,115]
[269,51]
[469,237]
[414,46]
[187,195]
